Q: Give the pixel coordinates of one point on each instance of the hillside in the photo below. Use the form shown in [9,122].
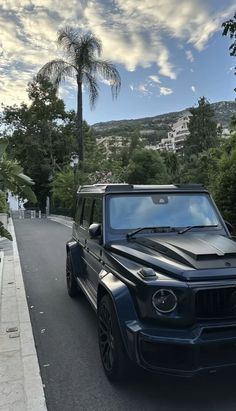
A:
[155,128]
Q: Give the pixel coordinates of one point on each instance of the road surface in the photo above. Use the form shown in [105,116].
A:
[65,332]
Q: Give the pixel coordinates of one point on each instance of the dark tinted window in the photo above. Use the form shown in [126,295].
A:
[97,211]
[86,213]
[78,210]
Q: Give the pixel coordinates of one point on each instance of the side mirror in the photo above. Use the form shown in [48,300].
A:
[229,226]
[95,230]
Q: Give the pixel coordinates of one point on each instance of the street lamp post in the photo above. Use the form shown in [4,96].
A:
[74,161]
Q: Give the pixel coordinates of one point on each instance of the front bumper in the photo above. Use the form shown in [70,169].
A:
[182,352]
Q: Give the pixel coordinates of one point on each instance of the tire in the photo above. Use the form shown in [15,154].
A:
[115,361]
[72,285]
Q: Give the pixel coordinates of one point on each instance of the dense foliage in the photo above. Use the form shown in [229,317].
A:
[42,137]
[202,128]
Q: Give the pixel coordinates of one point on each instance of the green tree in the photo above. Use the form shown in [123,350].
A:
[146,167]
[64,189]
[201,168]
[223,180]
[202,128]
[131,143]
[173,165]
[41,135]
[83,63]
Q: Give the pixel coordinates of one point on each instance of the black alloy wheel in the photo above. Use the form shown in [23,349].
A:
[115,361]
[72,285]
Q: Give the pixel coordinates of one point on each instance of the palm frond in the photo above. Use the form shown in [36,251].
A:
[17,182]
[92,43]
[3,146]
[25,179]
[109,72]
[69,39]
[25,192]
[89,48]
[57,71]
[4,233]
[92,87]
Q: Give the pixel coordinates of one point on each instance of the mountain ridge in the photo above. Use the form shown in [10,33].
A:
[156,127]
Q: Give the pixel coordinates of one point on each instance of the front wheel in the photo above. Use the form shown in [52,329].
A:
[72,285]
[115,361]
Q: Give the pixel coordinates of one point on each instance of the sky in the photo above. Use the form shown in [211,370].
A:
[168,52]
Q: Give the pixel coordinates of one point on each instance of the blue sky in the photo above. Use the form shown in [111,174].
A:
[168,52]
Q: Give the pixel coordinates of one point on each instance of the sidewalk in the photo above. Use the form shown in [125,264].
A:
[21,386]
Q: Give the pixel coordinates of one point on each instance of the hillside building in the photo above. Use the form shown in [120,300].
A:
[177,135]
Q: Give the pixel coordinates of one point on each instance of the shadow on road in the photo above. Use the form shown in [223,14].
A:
[148,391]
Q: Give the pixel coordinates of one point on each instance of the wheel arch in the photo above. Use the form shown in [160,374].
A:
[123,303]
[74,249]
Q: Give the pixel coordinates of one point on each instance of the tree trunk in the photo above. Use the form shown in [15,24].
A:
[79,122]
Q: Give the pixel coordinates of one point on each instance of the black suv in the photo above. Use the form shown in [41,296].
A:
[158,264]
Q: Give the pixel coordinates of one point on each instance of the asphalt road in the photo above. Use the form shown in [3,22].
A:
[65,333]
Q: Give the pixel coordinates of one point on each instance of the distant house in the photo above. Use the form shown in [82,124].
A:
[225,133]
[177,135]
[15,203]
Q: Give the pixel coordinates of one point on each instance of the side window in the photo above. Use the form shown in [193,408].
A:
[97,211]
[86,213]
[78,210]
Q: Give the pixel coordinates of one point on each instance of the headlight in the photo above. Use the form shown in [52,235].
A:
[164,301]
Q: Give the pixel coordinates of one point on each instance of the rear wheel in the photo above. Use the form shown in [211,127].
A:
[72,285]
[115,361]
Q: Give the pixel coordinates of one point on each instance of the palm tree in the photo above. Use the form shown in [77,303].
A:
[82,52]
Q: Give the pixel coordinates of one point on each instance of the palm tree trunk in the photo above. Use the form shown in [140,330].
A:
[79,122]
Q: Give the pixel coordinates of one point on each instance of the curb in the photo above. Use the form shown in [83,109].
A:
[62,220]
[34,399]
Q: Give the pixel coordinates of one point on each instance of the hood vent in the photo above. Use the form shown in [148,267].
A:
[147,273]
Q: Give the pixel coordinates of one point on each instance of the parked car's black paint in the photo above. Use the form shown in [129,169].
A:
[197,266]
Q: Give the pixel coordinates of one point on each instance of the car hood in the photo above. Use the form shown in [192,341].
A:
[189,256]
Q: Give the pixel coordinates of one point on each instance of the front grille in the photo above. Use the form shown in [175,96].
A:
[216,303]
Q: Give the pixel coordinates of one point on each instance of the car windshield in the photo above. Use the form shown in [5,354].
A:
[127,212]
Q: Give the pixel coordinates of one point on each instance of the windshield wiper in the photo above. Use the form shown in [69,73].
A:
[195,226]
[155,229]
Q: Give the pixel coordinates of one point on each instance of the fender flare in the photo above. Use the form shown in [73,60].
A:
[74,249]
[123,304]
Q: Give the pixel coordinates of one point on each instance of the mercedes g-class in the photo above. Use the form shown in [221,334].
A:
[158,265]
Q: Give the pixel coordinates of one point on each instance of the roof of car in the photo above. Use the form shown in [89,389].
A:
[130,188]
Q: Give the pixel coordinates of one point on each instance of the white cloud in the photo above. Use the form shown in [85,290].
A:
[165,91]
[155,78]
[189,55]
[143,89]
[150,86]
[193,88]
[133,34]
